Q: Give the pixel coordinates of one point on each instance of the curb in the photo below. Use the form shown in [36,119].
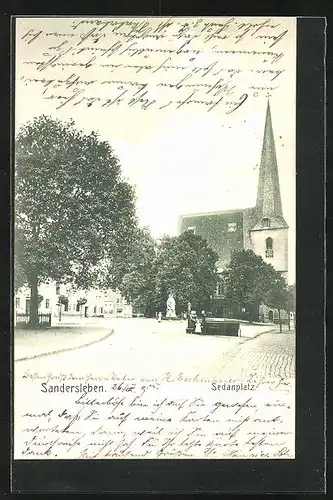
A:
[66,349]
[258,334]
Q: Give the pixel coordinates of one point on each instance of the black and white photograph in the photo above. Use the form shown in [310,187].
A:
[154,238]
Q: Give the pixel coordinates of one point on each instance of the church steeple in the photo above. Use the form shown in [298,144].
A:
[268,202]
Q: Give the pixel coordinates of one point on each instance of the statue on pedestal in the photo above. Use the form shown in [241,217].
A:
[171,307]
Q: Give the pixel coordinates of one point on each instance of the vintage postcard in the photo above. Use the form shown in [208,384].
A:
[155,233]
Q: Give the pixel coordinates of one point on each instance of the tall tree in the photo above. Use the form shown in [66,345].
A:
[73,209]
[278,297]
[20,278]
[249,281]
[291,303]
[139,281]
[292,298]
[185,266]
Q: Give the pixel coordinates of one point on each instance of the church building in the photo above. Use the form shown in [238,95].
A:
[262,228]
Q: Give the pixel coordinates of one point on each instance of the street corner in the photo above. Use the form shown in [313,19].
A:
[31,344]
[250,331]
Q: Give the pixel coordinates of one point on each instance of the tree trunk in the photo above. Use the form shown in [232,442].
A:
[289,321]
[33,320]
[280,323]
[254,312]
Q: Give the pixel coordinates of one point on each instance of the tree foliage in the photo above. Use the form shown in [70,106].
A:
[139,281]
[63,299]
[74,213]
[81,301]
[183,265]
[20,278]
[249,281]
[291,298]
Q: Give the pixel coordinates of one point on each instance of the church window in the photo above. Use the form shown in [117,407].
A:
[192,229]
[269,247]
[219,289]
[232,227]
[266,222]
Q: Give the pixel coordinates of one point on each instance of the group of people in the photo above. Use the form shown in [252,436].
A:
[195,323]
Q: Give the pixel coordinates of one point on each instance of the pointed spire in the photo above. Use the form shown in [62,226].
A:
[268,194]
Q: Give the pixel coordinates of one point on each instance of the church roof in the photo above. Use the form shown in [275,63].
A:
[268,194]
[268,209]
[218,212]
[271,222]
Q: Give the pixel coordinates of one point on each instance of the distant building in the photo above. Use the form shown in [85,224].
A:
[262,228]
[61,300]
[48,299]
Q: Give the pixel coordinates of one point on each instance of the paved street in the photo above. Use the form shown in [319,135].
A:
[269,355]
[146,347]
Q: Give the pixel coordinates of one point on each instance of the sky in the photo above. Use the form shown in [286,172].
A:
[182,161]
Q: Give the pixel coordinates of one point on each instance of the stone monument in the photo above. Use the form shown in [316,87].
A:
[171,307]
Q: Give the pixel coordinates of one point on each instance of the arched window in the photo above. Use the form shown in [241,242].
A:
[219,289]
[266,222]
[269,247]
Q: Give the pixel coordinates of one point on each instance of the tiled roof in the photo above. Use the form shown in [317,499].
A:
[218,212]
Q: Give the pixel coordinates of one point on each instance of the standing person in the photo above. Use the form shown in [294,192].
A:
[159,317]
[197,328]
[193,317]
[203,323]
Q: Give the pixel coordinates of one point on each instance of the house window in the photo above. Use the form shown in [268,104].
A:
[266,222]
[269,248]
[95,309]
[191,229]
[47,303]
[17,301]
[232,227]
[77,307]
[66,306]
[101,310]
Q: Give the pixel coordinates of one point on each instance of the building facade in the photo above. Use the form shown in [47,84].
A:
[62,302]
[261,228]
